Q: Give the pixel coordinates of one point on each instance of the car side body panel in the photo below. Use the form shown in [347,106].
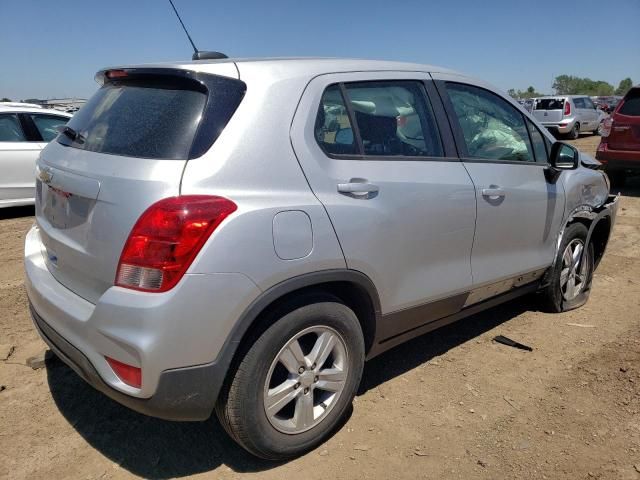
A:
[413,249]
[254,165]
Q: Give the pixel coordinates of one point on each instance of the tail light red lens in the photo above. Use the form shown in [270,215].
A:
[116,74]
[567,107]
[129,374]
[166,238]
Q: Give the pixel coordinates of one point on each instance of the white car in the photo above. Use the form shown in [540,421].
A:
[24,132]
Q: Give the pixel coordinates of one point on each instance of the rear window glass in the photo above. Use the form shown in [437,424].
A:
[160,117]
[631,105]
[549,104]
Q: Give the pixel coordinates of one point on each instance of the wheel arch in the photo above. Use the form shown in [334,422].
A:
[599,223]
[353,288]
[599,234]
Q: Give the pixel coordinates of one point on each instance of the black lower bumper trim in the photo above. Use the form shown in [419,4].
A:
[183,394]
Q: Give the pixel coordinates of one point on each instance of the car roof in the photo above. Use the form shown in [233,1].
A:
[43,111]
[296,66]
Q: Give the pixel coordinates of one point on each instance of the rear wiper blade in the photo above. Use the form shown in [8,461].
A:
[71,133]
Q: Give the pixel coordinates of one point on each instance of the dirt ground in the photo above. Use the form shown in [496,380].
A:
[451,404]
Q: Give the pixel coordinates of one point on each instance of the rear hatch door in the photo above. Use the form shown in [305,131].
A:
[125,150]
[625,130]
[549,110]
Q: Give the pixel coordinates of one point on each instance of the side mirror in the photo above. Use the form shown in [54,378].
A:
[564,156]
[344,136]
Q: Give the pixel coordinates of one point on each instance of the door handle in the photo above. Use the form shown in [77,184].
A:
[358,188]
[493,192]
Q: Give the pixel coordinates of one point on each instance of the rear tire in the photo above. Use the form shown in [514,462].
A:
[574,134]
[310,407]
[569,280]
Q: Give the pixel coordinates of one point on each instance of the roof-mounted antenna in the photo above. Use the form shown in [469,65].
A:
[197,55]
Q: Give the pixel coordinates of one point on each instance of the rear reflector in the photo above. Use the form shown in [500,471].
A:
[166,238]
[129,374]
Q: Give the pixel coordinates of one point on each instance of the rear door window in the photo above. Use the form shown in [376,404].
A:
[378,119]
[631,105]
[394,119]
[10,129]
[151,116]
[333,129]
[579,103]
[47,125]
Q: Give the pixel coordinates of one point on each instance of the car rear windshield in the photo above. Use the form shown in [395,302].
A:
[154,117]
[631,105]
[550,104]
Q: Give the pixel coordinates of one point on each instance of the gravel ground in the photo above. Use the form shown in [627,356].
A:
[451,404]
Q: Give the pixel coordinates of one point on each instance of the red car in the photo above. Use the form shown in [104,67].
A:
[619,148]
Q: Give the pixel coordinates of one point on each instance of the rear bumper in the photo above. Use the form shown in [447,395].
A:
[175,337]
[559,128]
[618,159]
[183,394]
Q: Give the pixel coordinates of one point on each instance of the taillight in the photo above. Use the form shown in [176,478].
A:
[166,238]
[607,124]
[116,74]
[567,107]
[129,374]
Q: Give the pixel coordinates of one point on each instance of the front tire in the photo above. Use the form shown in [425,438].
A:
[598,131]
[295,384]
[569,280]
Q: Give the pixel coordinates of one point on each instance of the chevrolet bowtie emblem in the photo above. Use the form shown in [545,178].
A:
[45,175]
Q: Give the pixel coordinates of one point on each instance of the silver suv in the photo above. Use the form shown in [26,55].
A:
[241,235]
[568,115]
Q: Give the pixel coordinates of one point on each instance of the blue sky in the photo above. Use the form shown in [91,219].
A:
[53,48]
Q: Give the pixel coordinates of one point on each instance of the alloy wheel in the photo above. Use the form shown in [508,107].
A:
[573,276]
[306,379]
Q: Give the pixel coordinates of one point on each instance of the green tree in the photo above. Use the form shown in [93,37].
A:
[571,85]
[564,84]
[5,99]
[624,86]
[530,92]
